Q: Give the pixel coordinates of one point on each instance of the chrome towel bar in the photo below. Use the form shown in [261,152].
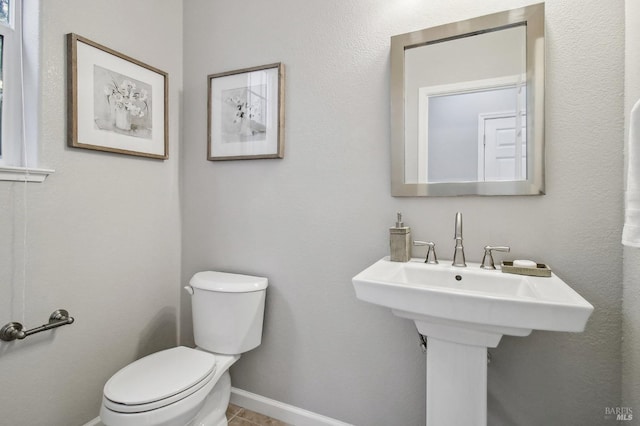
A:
[15,330]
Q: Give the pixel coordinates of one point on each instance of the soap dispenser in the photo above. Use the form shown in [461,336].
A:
[400,241]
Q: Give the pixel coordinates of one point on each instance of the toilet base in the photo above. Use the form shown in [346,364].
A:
[213,412]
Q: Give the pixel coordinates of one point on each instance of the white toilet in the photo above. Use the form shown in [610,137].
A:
[191,387]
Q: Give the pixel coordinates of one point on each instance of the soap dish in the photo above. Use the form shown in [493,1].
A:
[541,270]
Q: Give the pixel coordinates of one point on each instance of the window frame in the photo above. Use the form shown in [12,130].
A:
[20,93]
[12,84]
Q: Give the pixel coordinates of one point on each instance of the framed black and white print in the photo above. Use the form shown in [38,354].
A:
[246,113]
[115,103]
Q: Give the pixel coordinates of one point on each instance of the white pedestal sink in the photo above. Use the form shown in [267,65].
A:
[464,311]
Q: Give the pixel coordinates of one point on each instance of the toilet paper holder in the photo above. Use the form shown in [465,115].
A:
[14,330]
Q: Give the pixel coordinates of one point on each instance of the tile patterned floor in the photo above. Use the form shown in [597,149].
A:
[238,416]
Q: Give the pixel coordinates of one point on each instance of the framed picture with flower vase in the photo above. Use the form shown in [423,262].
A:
[246,114]
[115,103]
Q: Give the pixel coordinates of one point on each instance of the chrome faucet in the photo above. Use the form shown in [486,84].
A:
[487,259]
[431,251]
[458,254]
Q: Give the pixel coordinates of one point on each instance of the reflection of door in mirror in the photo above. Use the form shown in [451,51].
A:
[502,150]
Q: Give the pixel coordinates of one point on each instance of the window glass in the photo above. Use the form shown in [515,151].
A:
[1,89]
[10,84]
[4,12]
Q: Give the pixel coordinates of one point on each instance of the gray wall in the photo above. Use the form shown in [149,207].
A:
[102,233]
[311,221]
[631,299]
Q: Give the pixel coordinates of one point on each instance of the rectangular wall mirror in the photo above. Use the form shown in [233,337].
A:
[467,107]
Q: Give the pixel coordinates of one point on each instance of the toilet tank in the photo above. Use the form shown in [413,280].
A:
[228,311]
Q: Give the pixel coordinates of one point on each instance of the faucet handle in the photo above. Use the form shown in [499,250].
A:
[431,251]
[487,259]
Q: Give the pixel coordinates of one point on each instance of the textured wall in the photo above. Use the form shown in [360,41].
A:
[311,221]
[102,233]
[631,294]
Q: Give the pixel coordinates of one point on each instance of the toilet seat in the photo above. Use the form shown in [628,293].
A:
[158,380]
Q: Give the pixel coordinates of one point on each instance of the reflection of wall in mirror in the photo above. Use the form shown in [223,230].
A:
[453,149]
[485,56]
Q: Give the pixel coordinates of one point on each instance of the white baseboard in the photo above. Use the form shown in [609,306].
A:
[272,408]
[281,411]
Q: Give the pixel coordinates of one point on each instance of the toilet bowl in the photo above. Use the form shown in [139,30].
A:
[191,387]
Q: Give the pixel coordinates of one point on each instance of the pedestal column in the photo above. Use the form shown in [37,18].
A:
[456,384]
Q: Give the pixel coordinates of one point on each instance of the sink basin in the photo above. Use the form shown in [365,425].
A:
[472,305]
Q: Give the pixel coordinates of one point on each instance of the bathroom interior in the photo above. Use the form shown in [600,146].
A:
[114,238]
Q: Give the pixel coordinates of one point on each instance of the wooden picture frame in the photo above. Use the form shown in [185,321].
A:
[115,103]
[246,114]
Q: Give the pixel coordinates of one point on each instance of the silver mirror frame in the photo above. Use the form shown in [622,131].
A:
[533,17]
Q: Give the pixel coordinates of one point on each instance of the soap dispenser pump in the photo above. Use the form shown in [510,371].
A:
[400,241]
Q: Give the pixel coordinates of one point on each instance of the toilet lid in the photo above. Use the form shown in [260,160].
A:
[159,376]
[227,283]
